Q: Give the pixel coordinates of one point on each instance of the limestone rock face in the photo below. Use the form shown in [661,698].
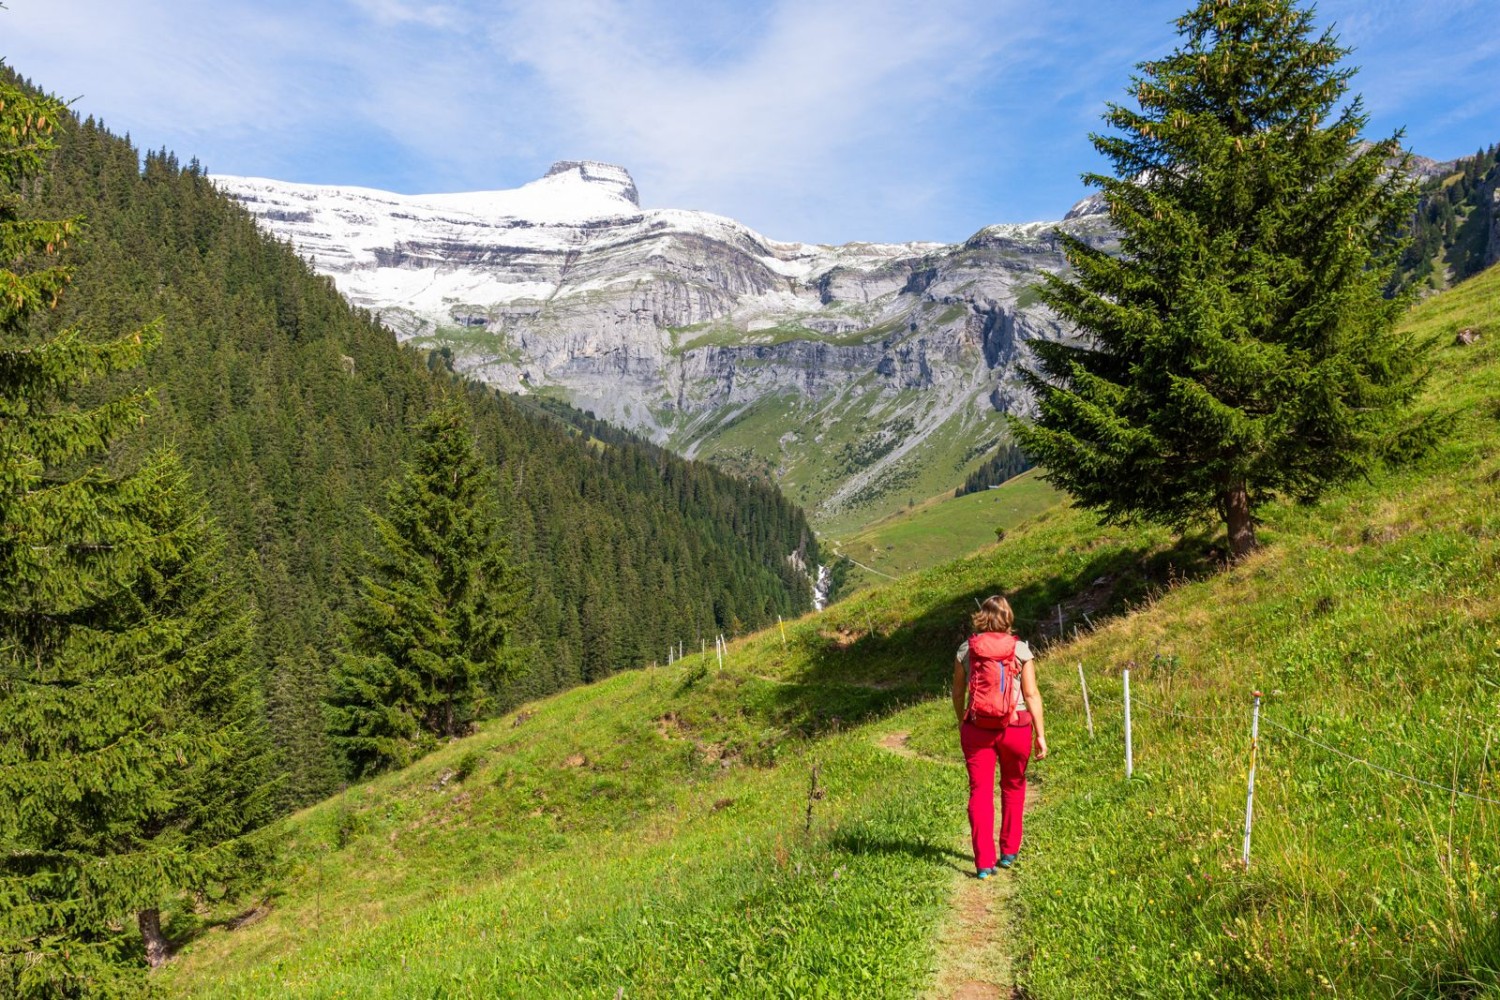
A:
[850,373]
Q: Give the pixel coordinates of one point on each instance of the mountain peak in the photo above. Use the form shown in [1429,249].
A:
[607,175]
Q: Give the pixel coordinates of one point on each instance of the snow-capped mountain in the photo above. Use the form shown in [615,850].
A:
[855,374]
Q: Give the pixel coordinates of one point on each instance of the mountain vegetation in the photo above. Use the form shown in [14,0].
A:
[934,531]
[1455,231]
[1006,463]
[133,745]
[176,597]
[251,549]
[1239,347]
[434,629]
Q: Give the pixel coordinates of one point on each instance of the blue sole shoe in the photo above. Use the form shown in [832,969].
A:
[1006,860]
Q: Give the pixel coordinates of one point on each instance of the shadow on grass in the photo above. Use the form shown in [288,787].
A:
[857,672]
[858,843]
[182,927]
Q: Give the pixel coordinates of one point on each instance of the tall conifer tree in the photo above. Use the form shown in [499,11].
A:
[129,758]
[433,637]
[1239,346]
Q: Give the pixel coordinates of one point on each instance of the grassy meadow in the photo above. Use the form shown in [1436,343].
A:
[942,528]
[660,834]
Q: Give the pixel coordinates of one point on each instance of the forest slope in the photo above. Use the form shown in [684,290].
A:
[650,835]
[293,409]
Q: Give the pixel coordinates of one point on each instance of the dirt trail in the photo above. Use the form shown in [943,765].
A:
[973,958]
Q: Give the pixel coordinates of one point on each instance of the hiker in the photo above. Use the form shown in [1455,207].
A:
[999,710]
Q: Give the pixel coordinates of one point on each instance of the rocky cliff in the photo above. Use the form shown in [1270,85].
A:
[859,376]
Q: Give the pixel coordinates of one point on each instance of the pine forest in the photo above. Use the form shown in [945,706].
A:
[291,411]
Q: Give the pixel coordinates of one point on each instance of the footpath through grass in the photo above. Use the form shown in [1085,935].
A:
[649,834]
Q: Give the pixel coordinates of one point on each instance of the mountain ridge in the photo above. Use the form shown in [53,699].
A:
[677,323]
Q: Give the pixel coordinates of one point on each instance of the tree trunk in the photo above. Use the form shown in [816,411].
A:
[1239,520]
[156,943]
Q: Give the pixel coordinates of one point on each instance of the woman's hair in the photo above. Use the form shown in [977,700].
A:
[994,615]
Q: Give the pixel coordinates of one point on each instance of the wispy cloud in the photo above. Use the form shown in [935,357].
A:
[792,100]
[810,119]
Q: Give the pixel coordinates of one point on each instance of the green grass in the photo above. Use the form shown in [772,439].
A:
[944,527]
[474,340]
[647,833]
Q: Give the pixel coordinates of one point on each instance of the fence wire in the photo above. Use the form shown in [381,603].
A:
[1266,718]
[1379,767]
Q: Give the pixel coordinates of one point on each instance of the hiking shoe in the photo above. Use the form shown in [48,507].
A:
[984,873]
[1006,860]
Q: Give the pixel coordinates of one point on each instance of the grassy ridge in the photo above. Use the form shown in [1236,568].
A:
[813,448]
[944,527]
[649,832]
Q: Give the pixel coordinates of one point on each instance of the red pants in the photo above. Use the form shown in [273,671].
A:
[1012,746]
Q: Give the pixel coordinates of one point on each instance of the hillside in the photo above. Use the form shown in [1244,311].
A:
[938,530]
[292,410]
[1456,227]
[790,824]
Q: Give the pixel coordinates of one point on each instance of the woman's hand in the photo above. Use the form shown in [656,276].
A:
[1041,747]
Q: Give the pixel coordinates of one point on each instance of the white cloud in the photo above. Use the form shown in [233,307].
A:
[787,101]
[389,12]
[820,119]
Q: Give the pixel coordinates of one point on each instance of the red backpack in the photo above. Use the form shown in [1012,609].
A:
[994,680]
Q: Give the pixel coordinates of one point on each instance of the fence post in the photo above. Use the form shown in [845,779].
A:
[1060,635]
[782,625]
[1129,752]
[720,650]
[1250,783]
[1088,712]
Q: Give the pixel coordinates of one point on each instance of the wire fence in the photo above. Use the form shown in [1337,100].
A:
[1381,767]
[1256,715]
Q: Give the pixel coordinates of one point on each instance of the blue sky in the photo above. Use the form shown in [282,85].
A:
[825,120]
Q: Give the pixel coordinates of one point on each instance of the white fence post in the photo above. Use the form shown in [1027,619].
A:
[1129,752]
[1250,783]
[1088,712]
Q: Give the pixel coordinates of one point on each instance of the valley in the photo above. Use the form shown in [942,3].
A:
[529,591]
[657,835]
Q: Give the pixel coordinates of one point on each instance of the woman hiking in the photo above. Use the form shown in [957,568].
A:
[999,710]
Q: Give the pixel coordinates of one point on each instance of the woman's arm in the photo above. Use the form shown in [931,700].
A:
[960,689]
[1033,695]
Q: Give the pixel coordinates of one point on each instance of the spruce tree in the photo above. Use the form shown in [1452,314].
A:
[1238,346]
[129,760]
[432,638]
